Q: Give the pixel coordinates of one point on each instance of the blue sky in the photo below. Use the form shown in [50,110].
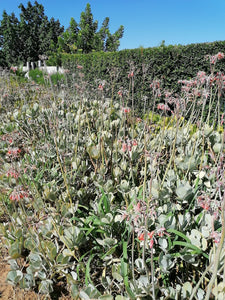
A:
[147,22]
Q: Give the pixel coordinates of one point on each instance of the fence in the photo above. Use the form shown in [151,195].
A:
[43,67]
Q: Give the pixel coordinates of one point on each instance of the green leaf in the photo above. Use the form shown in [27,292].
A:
[51,249]
[130,293]
[42,275]
[166,262]
[118,297]
[72,236]
[14,276]
[124,185]
[106,297]
[124,267]
[186,290]
[87,270]
[184,191]
[35,261]
[27,281]
[190,246]
[92,292]
[30,243]
[104,205]
[163,243]
[94,152]
[46,286]
[13,264]
[217,147]
[109,252]
[74,290]
[16,249]
[178,233]
[140,264]
[117,172]
[117,276]
[19,233]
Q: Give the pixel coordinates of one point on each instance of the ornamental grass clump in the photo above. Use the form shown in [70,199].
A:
[108,203]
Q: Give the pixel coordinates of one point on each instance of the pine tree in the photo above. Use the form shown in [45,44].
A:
[87,32]
[85,36]
[9,38]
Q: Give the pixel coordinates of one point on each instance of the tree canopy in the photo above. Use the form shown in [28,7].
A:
[85,36]
[25,39]
[33,34]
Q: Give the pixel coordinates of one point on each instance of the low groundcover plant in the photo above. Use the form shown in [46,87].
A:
[109,203]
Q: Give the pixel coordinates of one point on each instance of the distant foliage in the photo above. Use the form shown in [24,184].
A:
[165,63]
[32,35]
[85,38]
[26,38]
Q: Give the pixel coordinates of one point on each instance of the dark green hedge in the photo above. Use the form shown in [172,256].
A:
[167,63]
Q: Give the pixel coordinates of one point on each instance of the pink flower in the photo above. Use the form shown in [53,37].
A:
[14,69]
[220,55]
[162,106]
[79,67]
[120,93]
[222,119]
[13,173]
[141,237]
[168,94]
[161,231]
[137,207]
[151,234]
[138,120]
[185,88]
[126,110]
[14,152]
[155,84]
[134,143]
[124,147]
[151,243]
[205,93]
[100,87]
[125,216]
[204,202]
[201,74]
[18,194]
[131,74]
[213,60]
[216,237]
[205,205]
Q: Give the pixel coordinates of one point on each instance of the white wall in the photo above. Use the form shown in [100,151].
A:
[48,69]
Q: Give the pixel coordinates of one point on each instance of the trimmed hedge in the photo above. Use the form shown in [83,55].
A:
[166,63]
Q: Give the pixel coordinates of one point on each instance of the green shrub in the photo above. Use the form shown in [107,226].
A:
[165,63]
[43,78]
[57,79]
[38,76]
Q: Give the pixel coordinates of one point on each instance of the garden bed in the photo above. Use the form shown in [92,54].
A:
[103,203]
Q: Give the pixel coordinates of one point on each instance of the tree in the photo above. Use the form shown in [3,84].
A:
[86,37]
[49,33]
[68,41]
[25,39]
[9,38]
[37,31]
[87,32]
